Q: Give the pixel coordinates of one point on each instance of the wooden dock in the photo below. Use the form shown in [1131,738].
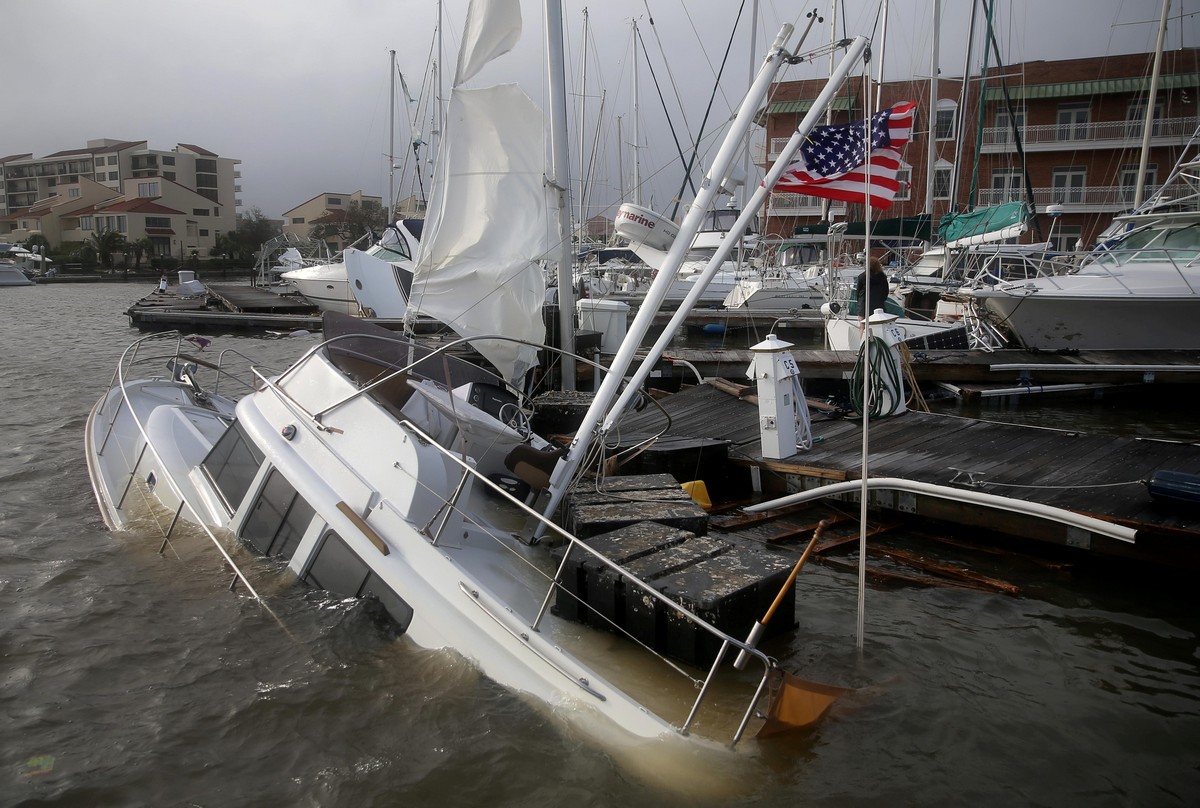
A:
[978,371]
[1093,475]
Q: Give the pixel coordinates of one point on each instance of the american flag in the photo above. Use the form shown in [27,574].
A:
[832,159]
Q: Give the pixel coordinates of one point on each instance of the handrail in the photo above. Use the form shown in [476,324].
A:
[170,479]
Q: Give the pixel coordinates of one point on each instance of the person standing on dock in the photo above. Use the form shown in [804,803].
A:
[879,289]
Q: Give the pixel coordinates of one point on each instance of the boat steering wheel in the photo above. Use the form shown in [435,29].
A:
[513,416]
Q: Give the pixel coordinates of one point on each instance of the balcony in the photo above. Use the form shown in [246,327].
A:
[1093,199]
[789,204]
[1100,135]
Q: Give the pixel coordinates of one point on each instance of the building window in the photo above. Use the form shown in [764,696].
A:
[945,125]
[73,193]
[904,177]
[1068,184]
[1128,181]
[943,172]
[1008,184]
[100,177]
[148,189]
[86,223]
[99,162]
[112,159]
[1007,124]
[199,211]
[168,160]
[1073,121]
[1065,239]
[158,221]
[1135,119]
[297,220]
[206,166]
[112,176]
[204,234]
[333,201]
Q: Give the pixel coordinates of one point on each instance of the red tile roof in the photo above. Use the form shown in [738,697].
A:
[159,231]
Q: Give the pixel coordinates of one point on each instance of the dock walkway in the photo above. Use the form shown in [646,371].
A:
[1098,476]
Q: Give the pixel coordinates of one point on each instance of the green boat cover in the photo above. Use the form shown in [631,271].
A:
[984,225]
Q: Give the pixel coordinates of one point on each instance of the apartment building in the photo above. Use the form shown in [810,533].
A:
[1064,135]
[181,199]
[326,207]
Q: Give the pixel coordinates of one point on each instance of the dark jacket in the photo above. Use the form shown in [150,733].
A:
[879,291]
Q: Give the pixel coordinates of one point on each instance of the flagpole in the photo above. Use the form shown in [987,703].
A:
[866,354]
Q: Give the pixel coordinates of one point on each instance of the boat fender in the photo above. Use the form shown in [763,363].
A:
[1174,487]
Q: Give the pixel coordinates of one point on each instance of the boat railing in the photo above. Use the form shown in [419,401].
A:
[576,547]
[130,358]
[1120,264]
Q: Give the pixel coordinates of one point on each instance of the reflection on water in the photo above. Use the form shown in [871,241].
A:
[133,678]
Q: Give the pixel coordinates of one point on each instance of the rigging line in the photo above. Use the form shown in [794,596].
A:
[708,111]
[985,483]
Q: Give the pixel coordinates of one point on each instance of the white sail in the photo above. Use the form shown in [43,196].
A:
[490,220]
[492,29]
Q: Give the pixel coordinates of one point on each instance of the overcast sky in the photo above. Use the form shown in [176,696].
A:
[299,90]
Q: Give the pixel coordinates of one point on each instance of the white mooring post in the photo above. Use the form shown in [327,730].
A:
[774,370]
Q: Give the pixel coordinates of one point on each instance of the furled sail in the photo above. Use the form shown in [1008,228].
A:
[490,220]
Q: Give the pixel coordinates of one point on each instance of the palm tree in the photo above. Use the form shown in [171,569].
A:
[106,243]
[143,246]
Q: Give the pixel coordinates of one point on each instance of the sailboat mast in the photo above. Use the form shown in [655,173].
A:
[931,144]
[391,208]
[561,182]
[1140,187]
[637,129]
[583,121]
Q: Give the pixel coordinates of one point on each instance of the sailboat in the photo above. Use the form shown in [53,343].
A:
[374,468]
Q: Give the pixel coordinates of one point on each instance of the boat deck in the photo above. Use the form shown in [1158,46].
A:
[1094,475]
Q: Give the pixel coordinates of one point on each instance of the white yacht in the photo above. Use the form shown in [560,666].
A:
[1138,290]
[328,285]
[12,275]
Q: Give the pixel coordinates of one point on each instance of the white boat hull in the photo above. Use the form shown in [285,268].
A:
[1125,322]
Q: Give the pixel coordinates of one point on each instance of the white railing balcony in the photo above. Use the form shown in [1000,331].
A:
[788,204]
[1089,199]
[1099,135]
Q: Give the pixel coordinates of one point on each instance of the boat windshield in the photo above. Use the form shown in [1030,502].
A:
[1178,245]
[392,247]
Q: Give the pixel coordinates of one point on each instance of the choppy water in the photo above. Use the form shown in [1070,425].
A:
[133,678]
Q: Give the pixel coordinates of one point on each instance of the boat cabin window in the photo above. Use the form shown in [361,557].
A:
[232,465]
[722,220]
[338,569]
[1178,243]
[393,247]
[278,518]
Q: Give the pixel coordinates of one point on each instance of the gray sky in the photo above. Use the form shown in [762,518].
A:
[299,90]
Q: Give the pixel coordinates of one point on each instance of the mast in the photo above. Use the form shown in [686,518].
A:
[561,181]
[582,121]
[1140,187]
[962,108]
[637,127]
[391,208]
[590,427]
[931,147]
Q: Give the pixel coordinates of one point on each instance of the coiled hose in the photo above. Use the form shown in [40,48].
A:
[885,380]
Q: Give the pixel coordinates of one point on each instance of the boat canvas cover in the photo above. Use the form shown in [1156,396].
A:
[984,225]
[489,222]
